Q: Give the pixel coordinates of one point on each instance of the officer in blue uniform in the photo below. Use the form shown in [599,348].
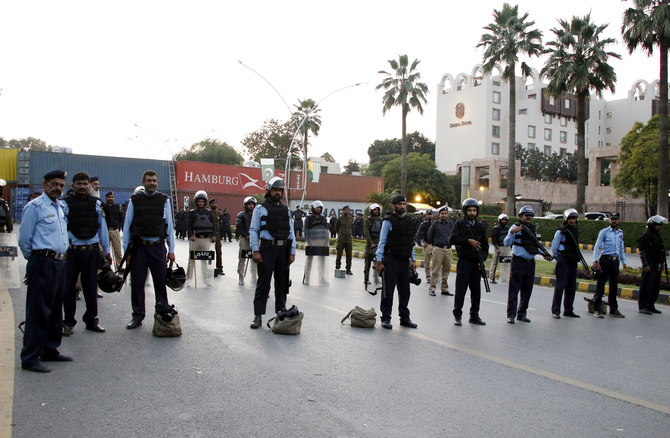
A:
[87,230]
[43,241]
[148,224]
[395,256]
[607,252]
[272,241]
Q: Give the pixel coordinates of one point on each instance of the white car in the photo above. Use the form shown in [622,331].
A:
[596,216]
[551,216]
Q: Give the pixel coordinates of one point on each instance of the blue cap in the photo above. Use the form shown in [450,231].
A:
[109,193]
[55,174]
[94,178]
[212,200]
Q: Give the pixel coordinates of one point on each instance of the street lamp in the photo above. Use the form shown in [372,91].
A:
[517,197]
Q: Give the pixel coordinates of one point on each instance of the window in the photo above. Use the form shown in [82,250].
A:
[496,83]
[532,96]
[564,121]
[547,150]
[563,152]
[547,134]
[609,115]
[495,148]
[496,97]
[496,114]
[566,103]
[547,119]
[564,137]
[599,114]
[324,169]
[523,111]
[576,139]
[531,131]
[531,146]
[608,130]
[496,131]
[551,100]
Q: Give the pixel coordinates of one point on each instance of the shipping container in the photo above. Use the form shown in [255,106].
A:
[336,187]
[8,164]
[218,178]
[114,172]
[234,203]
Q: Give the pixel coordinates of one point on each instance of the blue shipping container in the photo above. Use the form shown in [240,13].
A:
[115,173]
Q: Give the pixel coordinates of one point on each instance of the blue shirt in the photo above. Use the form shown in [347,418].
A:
[517,249]
[256,233]
[610,243]
[386,227]
[43,226]
[167,217]
[557,244]
[102,235]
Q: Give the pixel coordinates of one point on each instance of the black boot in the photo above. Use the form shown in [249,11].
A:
[258,321]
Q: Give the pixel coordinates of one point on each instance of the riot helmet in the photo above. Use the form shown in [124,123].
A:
[200,194]
[175,278]
[470,202]
[526,209]
[657,220]
[503,216]
[570,212]
[109,281]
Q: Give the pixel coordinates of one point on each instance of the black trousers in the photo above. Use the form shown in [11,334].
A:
[151,258]
[217,249]
[522,276]
[566,281]
[369,257]
[275,262]
[650,287]
[226,233]
[298,231]
[395,273]
[610,273]
[44,308]
[467,275]
[84,262]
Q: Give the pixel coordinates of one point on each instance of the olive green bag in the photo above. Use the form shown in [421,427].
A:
[360,317]
[287,325]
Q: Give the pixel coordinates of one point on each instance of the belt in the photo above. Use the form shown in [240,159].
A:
[275,242]
[609,257]
[521,259]
[50,254]
[112,228]
[85,247]
[203,236]
[151,243]
[442,246]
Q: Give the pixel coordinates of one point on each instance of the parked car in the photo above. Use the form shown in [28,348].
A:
[595,216]
[551,215]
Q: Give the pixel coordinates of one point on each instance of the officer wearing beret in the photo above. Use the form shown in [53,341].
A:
[217,215]
[6,223]
[395,256]
[43,241]
[114,219]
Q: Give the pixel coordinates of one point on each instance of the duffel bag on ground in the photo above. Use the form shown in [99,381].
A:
[360,317]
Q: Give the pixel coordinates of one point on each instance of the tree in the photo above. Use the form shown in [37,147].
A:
[538,166]
[510,34]
[211,151]
[638,177]
[578,64]
[351,167]
[647,25]
[416,142]
[307,118]
[403,89]
[30,143]
[375,169]
[273,140]
[422,176]
[329,158]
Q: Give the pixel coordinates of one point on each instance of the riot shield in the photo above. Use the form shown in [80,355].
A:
[317,240]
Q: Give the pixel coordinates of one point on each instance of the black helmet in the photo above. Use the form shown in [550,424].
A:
[470,202]
[109,281]
[103,261]
[175,278]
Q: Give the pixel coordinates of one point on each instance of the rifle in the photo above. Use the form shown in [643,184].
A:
[541,247]
[581,257]
[288,265]
[482,270]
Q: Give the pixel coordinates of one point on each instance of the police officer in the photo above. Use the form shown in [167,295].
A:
[216,217]
[297,221]
[497,237]
[522,277]
[114,219]
[652,255]
[87,230]
[6,223]
[607,252]
[439,236]
[565,249]
[94,187]
[148,224]
[469,237]
[242,224]
[372,229]
[317,242]
[43,241]
[273,244]
[201,231]
[395,256]
[226,231]
[344,227]
[421,239]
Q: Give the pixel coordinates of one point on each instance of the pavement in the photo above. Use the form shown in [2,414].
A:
[567,377]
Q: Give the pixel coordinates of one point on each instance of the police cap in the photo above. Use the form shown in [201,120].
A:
[94,179]
[398,198]
[61,174]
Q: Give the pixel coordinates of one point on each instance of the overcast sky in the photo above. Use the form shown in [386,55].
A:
[82,74]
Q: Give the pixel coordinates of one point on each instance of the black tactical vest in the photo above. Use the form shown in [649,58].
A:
[375,224]
[3,212]
[201,222]
[82,217]
[475,232]
[148,216]
[277,220]
[501,232]
[400,239]
[526,241]
[571,251]
[316,222]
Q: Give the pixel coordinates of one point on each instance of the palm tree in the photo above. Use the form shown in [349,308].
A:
[647,25]
[403,89]
[510,35]
[578,64]
[307,110]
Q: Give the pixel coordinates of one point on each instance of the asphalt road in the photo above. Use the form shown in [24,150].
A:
[567,377]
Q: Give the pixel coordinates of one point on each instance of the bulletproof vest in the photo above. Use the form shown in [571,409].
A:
[244,219]
[475,232]
[656,252]
[571,251]
[201,221]
[148,216]
[112,215]
[400,239]
[3,212]
[317,222]
[425,227]
[277,220]
[526,241]
[375,226]
[502,232]
[82,217]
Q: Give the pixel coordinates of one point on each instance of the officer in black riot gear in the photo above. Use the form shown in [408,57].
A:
[272,241]
[566,252]
[6,223]
[317,242]
[201,231]
[652,255]
[498,235]
[469,237]
[242,224]
[372,229]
